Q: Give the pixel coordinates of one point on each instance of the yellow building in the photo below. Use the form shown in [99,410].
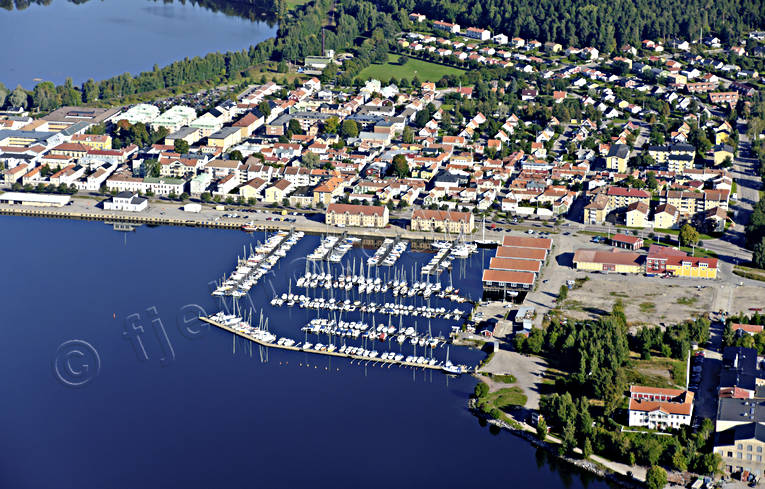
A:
[94,141]
[637,215]
[277,192]
[617,158]
[368,216]
[693,267]
[665,217]
[616,261]
[664,259]
[619,197]
[723,132]
[741,447]
[225,138]
[596,211]
[721,152]
[327,191]
[449,221]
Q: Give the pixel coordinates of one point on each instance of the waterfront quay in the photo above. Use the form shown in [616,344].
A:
[170,214]
[381,361]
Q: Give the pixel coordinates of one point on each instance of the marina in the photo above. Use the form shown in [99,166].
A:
[367,285]
[332,248]
[352,311]
[258,263]
[388,253]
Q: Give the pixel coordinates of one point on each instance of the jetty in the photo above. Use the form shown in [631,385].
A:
[296,347]
[441,261]
[338,354]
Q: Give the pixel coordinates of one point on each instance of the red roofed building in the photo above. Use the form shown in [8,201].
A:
[527,242]
[665,259]
[622,197]
[367,216]
[746,328]
[658,408]
[627,242]
[449,221]
[515,264]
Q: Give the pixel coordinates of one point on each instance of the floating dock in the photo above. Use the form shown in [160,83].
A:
[329,353]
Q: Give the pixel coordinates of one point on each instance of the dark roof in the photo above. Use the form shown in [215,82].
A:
[740,358]
[748,431]
[741,410]
[619,151]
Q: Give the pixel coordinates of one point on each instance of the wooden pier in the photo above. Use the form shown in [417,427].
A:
[325,353]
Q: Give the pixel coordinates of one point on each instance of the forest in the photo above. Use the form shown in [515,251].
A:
[605,24]
[366,29]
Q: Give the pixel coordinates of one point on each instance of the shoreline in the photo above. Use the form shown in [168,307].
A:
[198,220]
[589,466]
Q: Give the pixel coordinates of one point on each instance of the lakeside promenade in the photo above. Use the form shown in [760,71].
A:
[161,213]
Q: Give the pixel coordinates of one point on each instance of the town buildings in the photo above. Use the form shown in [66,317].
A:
[368,216]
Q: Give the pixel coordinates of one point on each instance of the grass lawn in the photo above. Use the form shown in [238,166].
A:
[697,252]
[507,398]
[505,379]
[750,273]
[422,69]
[657,372]
[291,4]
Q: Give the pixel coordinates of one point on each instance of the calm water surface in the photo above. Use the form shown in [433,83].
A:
[102,38]
[195,408]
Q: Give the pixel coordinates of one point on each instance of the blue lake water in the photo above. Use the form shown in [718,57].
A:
[102,38]
[195,408]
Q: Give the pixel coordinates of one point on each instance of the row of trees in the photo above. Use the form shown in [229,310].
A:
[673,341]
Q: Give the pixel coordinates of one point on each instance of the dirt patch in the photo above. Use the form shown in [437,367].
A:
[646,301]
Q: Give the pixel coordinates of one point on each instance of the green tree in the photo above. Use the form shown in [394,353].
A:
[68,94]
[310,160]
[535,341]
[151,167]
[181,146]
[481,389]
[332,125]
[265,108]
[758,255]
[184,196]
[402,60]
[656,477]
[542,429]
[349,129]
[400,166]
[18,97]
[206,197]
[688,235]
[236,155]
[89,91]
[562,293]
[651,181]
[294,127]
[3,94]
[408,135]
[45,97]
[586,449]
